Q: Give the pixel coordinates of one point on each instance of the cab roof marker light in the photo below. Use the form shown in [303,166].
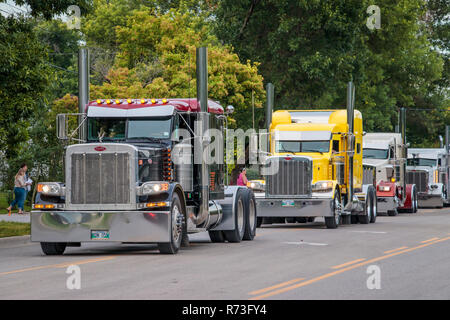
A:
[99,101]
[118,101]
[108,101]
[153,101]
[164,101]
[143,101]
[129,101]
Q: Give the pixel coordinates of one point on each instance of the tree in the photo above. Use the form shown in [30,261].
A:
[310,49]
[156,58]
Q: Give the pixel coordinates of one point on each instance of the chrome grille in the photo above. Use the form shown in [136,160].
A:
[419,178]
[293,177]
[100,178]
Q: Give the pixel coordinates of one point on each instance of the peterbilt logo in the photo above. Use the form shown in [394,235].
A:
[99,148]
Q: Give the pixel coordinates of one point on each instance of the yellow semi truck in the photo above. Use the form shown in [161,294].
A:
[315,168]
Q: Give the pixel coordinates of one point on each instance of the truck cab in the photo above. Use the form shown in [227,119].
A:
[136,179]
[315,169]
[423,170]
[384,151]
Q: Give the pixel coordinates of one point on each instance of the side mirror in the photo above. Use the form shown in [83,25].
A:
[229,109]
[61,127]
[364,133]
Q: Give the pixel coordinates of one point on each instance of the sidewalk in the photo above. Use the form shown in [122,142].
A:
[16,217]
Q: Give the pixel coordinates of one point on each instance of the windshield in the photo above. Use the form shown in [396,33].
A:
[375,153]
[421,162]
[302,146]
[107,129]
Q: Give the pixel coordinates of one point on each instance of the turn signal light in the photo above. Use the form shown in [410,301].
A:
[157,204]
[39,206]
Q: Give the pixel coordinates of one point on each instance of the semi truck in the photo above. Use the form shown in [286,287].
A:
[315,168]
[386,152]
[135,179]
[424,165]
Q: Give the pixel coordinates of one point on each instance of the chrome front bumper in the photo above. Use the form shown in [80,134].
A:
[385,204]
[429,200]
[123,226]
[313,207]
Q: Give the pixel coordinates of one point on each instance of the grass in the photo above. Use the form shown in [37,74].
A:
[11,229]
[4,203]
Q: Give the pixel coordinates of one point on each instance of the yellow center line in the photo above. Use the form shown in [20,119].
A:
[393,250]
[432,239]
[347,263]
[60,265]
[331,274]
[276,286]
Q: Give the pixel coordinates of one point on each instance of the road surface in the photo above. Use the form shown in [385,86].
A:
[402,257]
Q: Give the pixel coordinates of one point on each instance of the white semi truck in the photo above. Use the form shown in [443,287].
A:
[385,152]
[423,170]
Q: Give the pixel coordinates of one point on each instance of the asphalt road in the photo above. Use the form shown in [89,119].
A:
[408,257]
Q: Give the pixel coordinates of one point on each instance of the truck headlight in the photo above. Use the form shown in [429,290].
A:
[384,188]
[153,188]
[322,186]
[256,185]
[50,188]
[434,186]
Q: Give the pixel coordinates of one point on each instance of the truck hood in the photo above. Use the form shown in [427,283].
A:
[377,162]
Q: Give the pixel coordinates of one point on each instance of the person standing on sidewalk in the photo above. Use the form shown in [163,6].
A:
[242,179]
[20,190]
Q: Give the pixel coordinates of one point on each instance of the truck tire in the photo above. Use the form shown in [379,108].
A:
[290,220]
[216,236]
[237,234]
[259,221]
[392,213]
[333,222]
[250,216]
[53,248]
[176,230]
[301,219]
[414,201]
[346,219]
[311,219]
[368,208]
[373,218]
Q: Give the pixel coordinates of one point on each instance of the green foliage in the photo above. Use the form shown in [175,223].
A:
[49,8]
[156,58]
[25,78]
[311,49]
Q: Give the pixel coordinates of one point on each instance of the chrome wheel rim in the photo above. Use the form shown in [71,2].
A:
[240,216]
[336,209]
[177,223]
[252,213]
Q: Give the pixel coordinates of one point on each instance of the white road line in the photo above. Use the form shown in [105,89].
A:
[381,232]
[306,243]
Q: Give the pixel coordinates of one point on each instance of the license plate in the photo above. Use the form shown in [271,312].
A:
[99,235]
[287,203]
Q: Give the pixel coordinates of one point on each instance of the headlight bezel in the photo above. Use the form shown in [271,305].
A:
[384,188]
[54,189]
[153,187]
[323,186]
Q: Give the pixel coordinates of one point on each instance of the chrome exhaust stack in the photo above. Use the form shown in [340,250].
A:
[83,89]
[404,149]
[352,200]
[202,126]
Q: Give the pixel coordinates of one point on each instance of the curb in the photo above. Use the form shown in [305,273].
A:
[15,240]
